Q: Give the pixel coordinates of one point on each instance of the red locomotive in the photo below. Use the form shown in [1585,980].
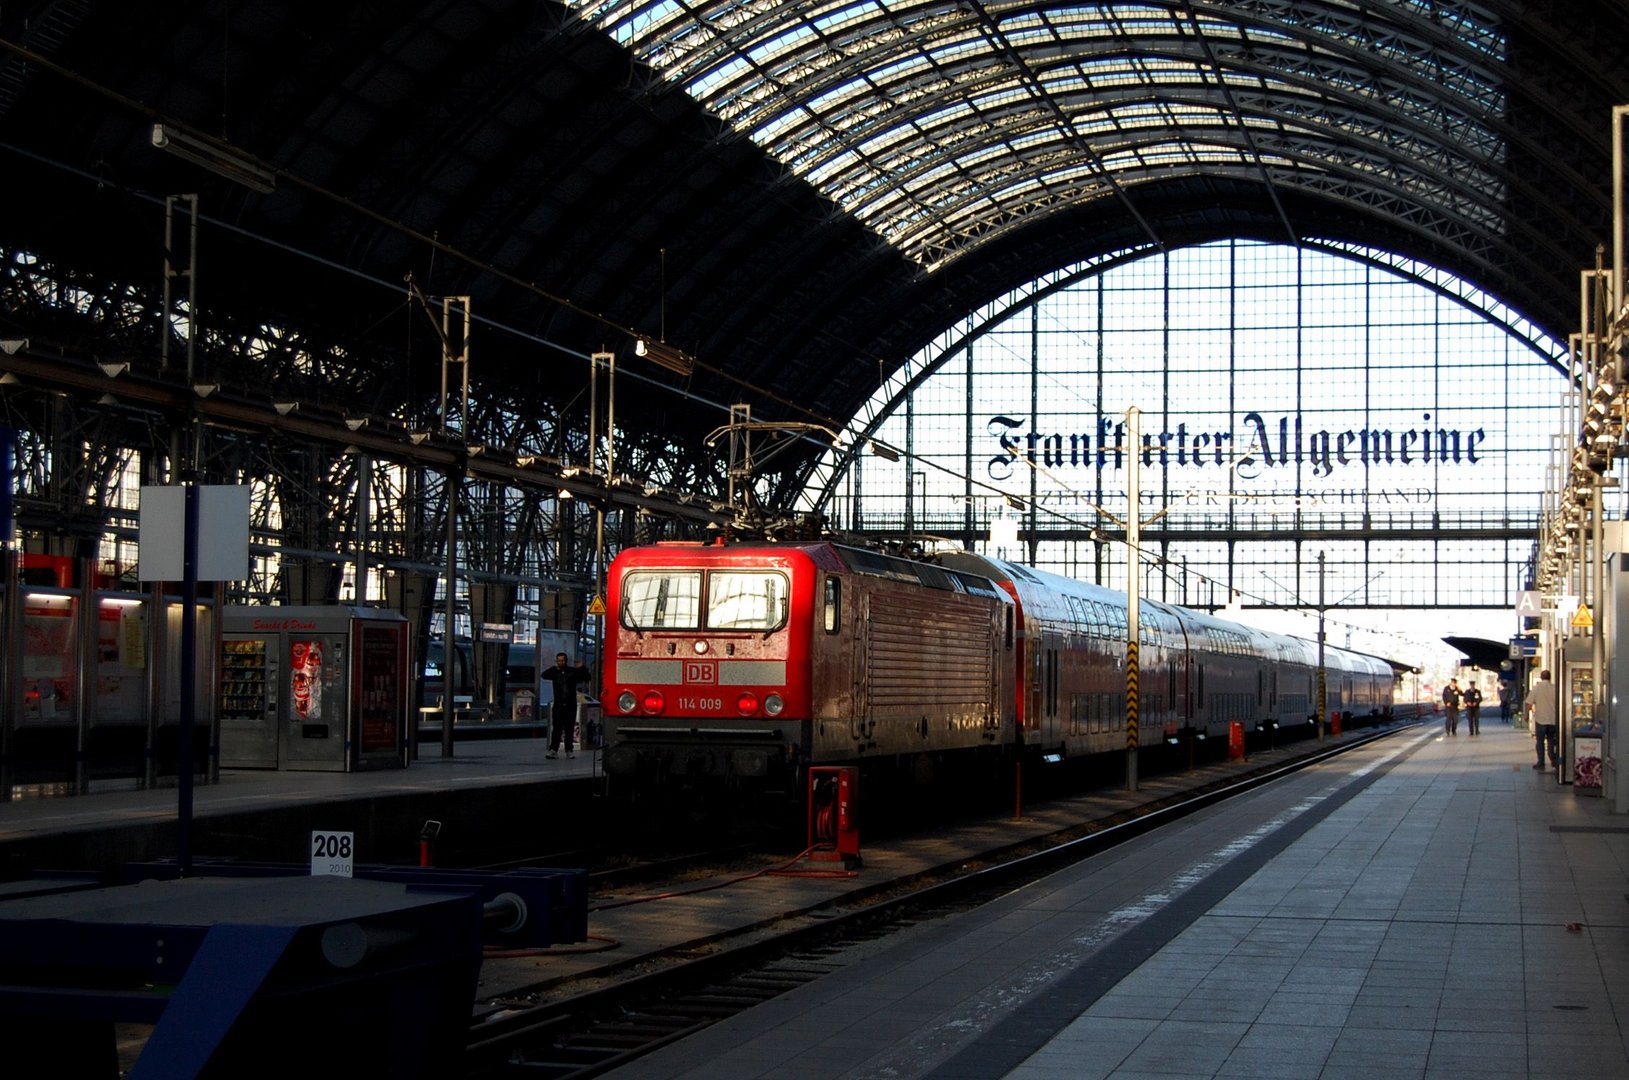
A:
[751,662]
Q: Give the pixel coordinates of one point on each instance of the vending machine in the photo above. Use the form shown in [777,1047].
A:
[314,687]
[1581,732]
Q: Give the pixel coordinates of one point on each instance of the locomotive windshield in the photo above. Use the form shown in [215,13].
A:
[662,600]
[748,600]
[671,600]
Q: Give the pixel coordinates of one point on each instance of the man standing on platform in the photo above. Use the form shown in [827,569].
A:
[1473,708]
[1450,707]
[1541,712]
[564,679]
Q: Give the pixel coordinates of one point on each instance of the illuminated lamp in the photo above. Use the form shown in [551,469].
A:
[219,158]
[664,355]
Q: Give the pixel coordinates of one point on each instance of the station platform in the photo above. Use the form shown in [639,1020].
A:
[1422,907]
[485,794]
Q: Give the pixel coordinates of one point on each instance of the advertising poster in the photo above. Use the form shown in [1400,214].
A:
[1586,763]
[305,679]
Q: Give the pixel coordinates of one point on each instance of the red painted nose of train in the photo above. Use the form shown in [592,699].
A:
[705,681]
[723,636]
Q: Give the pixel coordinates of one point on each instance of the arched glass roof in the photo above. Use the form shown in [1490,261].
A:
[943,124]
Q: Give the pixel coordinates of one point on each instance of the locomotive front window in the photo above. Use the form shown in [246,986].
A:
[745,600]
[662,600]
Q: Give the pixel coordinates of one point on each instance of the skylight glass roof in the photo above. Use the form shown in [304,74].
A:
[943,123]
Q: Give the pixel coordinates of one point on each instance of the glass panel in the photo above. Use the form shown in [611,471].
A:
[121,660]
[49,656]
[662,600]
[745,601]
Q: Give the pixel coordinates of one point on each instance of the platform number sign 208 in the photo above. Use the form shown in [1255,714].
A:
[332,854]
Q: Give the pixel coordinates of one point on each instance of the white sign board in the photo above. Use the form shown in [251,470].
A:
[333,854]
[223,533]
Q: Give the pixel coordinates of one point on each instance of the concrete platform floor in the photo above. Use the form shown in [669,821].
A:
[1428,907]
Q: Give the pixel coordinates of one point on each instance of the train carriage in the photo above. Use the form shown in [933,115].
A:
[1197,673]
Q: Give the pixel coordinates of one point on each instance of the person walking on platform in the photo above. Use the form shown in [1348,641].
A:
[1450,707]
[1541,712]
[565,679]
[1473,709]
[1504,702]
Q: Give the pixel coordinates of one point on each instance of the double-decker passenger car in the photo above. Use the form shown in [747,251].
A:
[754,661]
[1198,674]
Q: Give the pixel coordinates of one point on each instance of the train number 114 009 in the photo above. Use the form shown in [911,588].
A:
[701,704]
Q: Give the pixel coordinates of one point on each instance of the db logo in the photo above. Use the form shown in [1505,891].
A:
[701,671]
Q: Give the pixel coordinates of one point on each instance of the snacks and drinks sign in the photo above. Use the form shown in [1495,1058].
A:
[1586,764]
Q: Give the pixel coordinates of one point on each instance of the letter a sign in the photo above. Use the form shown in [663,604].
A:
[1531,605]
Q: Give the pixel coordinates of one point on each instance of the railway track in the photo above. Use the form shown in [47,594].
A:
[584,1034]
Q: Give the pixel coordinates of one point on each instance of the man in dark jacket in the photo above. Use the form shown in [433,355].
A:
[1473,709]
[565,679]
[1450,707]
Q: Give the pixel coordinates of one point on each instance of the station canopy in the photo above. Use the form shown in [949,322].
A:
[797,195]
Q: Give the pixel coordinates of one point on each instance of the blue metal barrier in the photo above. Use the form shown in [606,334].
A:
[271,976]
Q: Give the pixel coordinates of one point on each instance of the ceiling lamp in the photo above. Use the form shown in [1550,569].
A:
[664,355]
[219,158]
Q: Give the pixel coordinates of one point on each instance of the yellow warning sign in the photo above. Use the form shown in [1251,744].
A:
[1582,619]
[596,606]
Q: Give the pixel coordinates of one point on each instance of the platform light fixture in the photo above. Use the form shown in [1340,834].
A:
[664,355]
[220,158]
[285,407]
[887,453]
[114,369]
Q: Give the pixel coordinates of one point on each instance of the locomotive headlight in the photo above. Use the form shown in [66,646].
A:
[700,647]
[747,703]
[653,702]
[626,702]
[773,705]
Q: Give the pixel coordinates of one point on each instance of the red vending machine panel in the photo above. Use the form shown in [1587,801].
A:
[380,683]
